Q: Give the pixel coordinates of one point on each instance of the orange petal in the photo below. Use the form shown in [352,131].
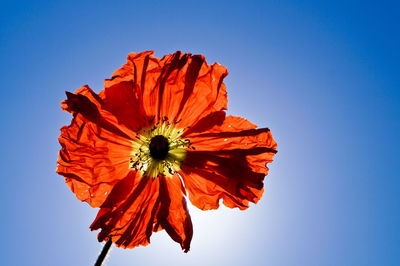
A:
[181,87]
[229,162]
[95,152]
[87,104]
[152,204]
[124,100]
[178,223]
[129,219]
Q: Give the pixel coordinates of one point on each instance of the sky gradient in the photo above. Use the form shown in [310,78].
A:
[324,77]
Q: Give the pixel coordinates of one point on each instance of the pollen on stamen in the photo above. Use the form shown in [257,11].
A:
[159,150]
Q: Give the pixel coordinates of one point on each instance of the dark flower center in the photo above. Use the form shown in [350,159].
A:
[159,147]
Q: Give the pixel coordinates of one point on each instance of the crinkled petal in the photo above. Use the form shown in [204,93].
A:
[178,223]
[87,104]
[229,163]
[123,95]
[128,219]
[181,87]
[95,150]
[150,205]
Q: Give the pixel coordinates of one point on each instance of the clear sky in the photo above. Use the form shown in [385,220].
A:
[322,75]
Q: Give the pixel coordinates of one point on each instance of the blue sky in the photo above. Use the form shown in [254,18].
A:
[322,75]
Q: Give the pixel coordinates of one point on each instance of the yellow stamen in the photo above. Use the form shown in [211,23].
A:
[142,160]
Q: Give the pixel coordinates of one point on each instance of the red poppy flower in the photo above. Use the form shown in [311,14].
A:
[157,131]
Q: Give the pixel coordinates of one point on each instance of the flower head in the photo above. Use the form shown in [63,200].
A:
[156,132]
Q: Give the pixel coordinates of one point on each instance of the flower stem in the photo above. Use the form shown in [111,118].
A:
[103,253]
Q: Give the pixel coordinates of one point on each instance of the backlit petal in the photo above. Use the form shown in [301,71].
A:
[229,163]
[150,205]
[92,158]
[178,223]
[180,87]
